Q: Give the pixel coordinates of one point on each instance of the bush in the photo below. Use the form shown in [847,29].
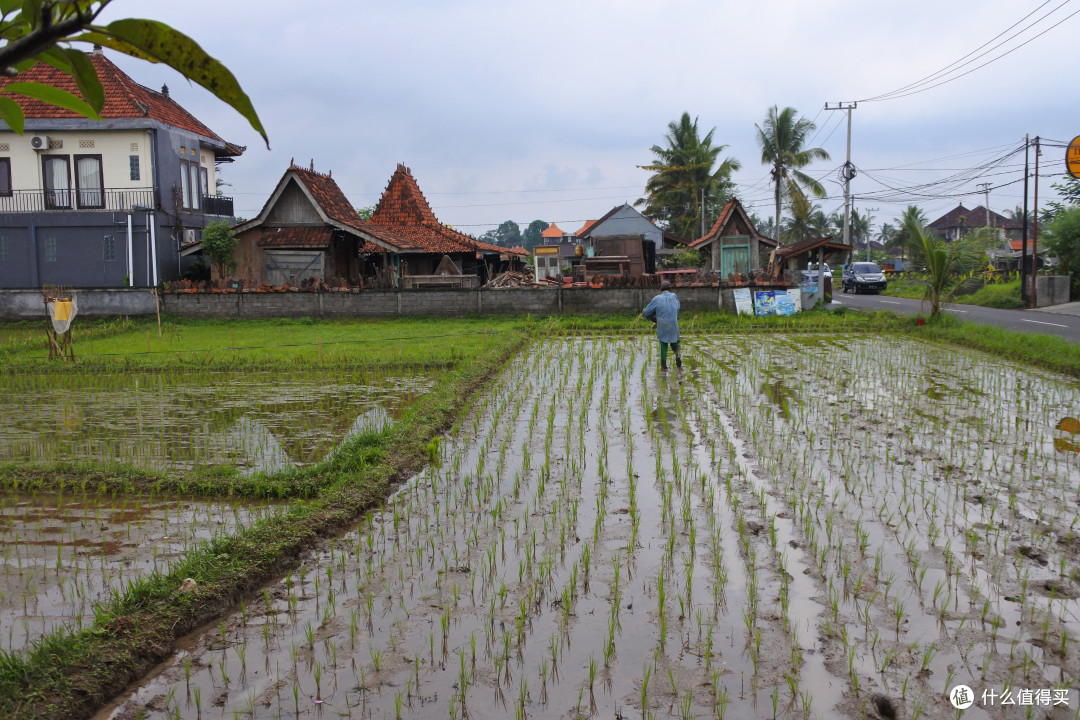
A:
[218,245]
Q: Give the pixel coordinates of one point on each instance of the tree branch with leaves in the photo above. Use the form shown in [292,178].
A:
[33,31]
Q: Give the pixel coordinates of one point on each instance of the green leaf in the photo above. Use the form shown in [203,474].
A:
[53,96]
[86,78]
[12,114]
[157,42]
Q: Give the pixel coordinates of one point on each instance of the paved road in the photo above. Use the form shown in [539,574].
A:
[1054,321]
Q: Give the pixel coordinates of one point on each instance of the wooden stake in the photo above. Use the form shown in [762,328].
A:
[320,348]
[485,335]
[234,338]
[157,306]
[147,342]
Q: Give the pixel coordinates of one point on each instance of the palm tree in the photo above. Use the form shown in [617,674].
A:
[782,138]
[684,176]
[912,216]
[887,237]
[861,227]
[949,268]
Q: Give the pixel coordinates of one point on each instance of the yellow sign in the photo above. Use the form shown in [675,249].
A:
[1072,157]
[546,250]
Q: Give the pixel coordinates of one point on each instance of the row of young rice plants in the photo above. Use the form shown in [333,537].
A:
[573,550]
[66,552]
[936,509]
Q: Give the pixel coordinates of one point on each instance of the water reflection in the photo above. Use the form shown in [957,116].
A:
[253,420]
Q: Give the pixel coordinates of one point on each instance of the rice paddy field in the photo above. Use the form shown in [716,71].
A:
[797,526]
[809,524]
[255,420]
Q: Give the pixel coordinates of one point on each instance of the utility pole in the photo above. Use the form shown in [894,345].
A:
[986,189]
[869,218]
[1024,296]
[1035,226]
[848,171]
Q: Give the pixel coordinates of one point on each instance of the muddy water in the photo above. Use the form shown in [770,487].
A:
[602,540]
[253,420]
[64,552]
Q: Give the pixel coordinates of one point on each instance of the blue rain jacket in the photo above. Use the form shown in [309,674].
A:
[664,311]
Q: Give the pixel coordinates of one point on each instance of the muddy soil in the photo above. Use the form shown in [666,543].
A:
[784,528]
[64,552]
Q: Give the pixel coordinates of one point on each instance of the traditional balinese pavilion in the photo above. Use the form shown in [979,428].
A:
[408,246]
[812,250]
[733,245]
[308,231]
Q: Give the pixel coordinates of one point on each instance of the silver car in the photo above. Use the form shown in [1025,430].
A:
[863,277]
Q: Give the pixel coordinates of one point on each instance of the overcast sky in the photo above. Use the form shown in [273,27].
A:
[512,110]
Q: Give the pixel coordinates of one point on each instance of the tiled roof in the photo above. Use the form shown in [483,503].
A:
[828,243]
[974,218]
[403,214]
[1016,244]
[552,231]
[732,208]
[402,222]
[585,228]
[312,236]
[328,196]
[124,98]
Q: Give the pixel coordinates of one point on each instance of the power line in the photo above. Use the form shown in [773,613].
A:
[923,84]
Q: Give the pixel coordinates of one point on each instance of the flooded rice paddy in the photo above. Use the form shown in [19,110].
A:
[65,552]
[181,420]
[788,527]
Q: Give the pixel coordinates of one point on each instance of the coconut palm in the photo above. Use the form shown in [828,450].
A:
[911,216]
[782,138]
[948,268]
[685,174]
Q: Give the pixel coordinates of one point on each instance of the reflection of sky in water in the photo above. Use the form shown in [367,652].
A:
[256,421]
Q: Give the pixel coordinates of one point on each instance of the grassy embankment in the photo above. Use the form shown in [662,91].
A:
[996,295]
[71,674]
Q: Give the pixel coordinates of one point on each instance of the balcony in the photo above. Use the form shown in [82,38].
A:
[217,205]
[112,200]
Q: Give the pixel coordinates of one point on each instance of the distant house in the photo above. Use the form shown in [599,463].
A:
[123,200]
[733,246]
[308,230]
[959,221]
[623,220]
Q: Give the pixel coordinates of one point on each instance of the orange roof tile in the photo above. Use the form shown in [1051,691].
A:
[732,207]
[585,228]
[1016,244]
[124,98]
[552,231]
[403,213]
[318,236]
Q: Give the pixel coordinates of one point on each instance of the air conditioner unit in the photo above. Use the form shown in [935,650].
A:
[189,237]
[39,142]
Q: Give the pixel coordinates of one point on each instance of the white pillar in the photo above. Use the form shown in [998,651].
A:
[130,260]
[153,245]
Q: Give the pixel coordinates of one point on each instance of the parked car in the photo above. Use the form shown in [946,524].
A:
[863,277]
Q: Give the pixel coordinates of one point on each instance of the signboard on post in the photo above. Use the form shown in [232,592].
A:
[1072,157]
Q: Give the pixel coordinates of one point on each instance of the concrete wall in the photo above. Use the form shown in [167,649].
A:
[27,304]
[1051,290]
[105,302]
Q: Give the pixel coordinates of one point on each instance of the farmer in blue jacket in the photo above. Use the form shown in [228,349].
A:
[664,311]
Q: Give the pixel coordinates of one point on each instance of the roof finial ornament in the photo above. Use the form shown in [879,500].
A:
[330,174]
[165,90]
[312,165]
[97,50]
[292,162]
